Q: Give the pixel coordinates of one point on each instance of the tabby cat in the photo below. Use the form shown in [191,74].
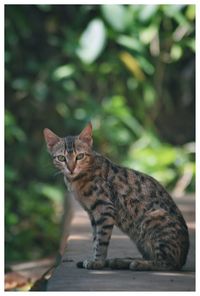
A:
[114,195]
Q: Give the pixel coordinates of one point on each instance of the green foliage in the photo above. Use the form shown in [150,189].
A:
[128,68]
[162,161]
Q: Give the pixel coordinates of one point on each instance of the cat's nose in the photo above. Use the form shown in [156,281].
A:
[71,171]
[70,166]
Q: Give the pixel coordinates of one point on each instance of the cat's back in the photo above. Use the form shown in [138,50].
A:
[131,187]
[134,195]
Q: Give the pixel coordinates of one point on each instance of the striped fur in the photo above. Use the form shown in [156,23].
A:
[134,202]
[69,144]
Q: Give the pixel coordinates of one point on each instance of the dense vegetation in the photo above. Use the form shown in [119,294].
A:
[129,69]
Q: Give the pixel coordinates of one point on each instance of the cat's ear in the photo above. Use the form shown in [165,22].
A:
[50,138]
[86,134]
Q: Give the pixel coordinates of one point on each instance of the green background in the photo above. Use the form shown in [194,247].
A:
[130,69]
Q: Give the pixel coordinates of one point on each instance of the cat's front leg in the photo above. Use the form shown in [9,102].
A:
[103,225]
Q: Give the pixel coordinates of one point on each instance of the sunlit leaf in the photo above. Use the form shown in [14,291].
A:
[191,12]
[80,113]
[171,10]
[130,42]
[174,11]
[92,41]
[146,65]
[116,106]
[147,12]
[191,44]
[117,16]
[149,95]
[176,52]
[51,192]
[132,65]
[164,176]
[63,71]
[147,34]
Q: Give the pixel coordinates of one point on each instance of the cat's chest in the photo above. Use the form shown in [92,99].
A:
[83,192]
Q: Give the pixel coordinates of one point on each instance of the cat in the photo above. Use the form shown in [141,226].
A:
[131,200]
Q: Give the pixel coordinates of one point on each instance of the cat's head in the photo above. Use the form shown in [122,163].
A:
[72,154]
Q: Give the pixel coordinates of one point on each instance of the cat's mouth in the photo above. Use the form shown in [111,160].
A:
[69,173]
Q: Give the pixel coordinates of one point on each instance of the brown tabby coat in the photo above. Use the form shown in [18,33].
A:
[114,195]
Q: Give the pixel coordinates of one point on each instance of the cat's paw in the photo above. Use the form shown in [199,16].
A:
[91,264]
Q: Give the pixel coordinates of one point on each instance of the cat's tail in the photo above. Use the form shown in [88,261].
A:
[139,264]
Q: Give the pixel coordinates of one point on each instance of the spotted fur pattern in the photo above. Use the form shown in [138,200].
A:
[114,195]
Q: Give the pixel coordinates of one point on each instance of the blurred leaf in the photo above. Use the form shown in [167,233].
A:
[191,12]
[146,65]
[12,219]
[147,34]
[21,84]
[117,16]
[12,130]
[180,32]
[40,90]
[80,114]
[91,47]
[164,176]
[130,42]
[117,107]
[51,192]
[10,173]
[62,109]
[63,72]
[176,52]
[44,7]
[147,12]
[149,95]
[191,44]
[132,65]
[174,11]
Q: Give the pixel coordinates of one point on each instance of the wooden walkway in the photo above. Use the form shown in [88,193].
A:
[67,277]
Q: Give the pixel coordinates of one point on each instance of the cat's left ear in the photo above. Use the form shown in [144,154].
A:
[86,134]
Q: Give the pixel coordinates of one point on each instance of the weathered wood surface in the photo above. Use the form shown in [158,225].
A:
[67,277]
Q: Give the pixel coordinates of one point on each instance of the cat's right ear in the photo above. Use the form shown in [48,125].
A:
[86,134]
[50,138]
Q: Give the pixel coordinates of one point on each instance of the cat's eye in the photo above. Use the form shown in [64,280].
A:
[61,158]
[80,156]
